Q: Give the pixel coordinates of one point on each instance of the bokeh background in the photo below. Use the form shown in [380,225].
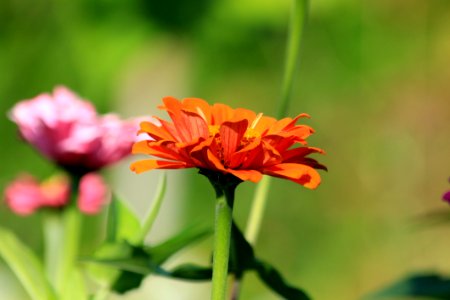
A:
[374,75]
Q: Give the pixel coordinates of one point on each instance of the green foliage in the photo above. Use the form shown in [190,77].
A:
[122,222]
[122,263]
[429,285]
[26,266]
[166,249]
[243,259]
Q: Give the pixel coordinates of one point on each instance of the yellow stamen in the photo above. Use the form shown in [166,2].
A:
[256,120]
[213,129]
[202,114]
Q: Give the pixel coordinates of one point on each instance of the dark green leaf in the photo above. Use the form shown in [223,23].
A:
[191,272]
[275,281]
[242,256]
[433,286]
[132,263]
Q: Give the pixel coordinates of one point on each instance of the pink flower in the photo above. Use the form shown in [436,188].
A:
[93,194]
[446,196]
[25,195]
[68,130]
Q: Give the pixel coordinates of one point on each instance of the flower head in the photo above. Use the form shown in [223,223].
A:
[230,141]
[68,130]
[25,195]
[446,196]
[93,194]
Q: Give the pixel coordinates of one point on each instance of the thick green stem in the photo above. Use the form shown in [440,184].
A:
[222,235]
[71,221]
[153,211]
[53,235]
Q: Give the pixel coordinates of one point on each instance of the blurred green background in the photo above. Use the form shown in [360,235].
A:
[374,75]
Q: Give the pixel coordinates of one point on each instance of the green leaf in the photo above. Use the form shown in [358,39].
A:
[242,258]
[25,265]
[123,224]
[174,244]
[124,266]
[275,281]
[133,268]
[433,286]
[191,272]
[76,286]
[101,273]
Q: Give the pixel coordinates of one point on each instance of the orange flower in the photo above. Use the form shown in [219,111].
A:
[235,141]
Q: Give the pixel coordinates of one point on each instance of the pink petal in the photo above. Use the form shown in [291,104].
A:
[93,194]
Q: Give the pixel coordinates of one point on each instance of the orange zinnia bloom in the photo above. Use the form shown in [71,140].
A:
[235,141]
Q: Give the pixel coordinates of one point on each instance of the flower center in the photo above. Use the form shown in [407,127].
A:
[213,129]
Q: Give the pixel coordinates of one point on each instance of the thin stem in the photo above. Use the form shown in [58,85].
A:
[222,235]
[299,14]
[298,18]
[72,221]
[153,211]
[257,211]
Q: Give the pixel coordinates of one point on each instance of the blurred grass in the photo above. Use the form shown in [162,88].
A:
[374,76]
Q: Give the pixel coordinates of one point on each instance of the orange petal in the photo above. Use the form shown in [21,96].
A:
[231,134]
[214,161]
[298,173]
[198,106]
[285,124]
[251,175]
[190,125]
[156,132]
[248,152]
[221,113]
[151,164]
[299,153]
[264,124]
[162,149]
[243,114]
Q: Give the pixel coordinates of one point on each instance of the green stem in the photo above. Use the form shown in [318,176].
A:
[153,211]
[298,17]
[299,14]
[257,211]
[72,221]
[222,235]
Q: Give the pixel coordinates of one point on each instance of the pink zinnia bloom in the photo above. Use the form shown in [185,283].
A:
[68,130]
[446,196]
[93,194]
[25,195]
